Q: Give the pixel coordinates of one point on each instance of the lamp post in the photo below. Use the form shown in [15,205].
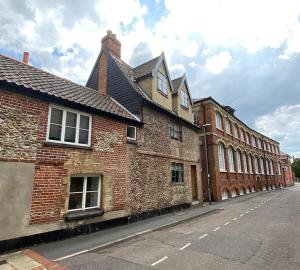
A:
[206,162]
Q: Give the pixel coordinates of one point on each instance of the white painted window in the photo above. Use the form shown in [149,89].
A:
[245,163]
[238,161]
[274,187]
[69,126]
[184,99]
[279,169]
[252,189]
[242,135]
[259,143]
[219,121]
[262,169]
[84,192]
[235,130]
[250,164]
[248,190]
[264,188]
[253,140]
[221,155]
[131,133]
[267,166]
[269,147]
[271,167]
[256,169]
[162,83]
[195,117]
[241,191]
[225,194]
[265,146]
[228,126]
[231,159]
[247,139]
[233,193]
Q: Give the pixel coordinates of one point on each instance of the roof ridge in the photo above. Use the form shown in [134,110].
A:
[147,61]
[47,72]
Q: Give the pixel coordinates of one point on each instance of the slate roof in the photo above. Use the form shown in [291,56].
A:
[145,69]
[176,83]
[18,73]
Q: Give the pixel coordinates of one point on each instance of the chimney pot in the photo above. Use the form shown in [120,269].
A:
[26,58]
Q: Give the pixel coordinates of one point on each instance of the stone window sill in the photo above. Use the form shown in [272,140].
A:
[64,145]
[80,214]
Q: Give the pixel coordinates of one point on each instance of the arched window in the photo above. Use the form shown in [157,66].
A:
[245,163]
[221,155]
[262,167]
[238,161]
[234,192]
[271,168]
[265,146]
[256,169]
[253,140]
[225,194]
[242,135]
[267,166]
[250,164]
[235,131]
[219,121]
[228,126]
[247,138]
[231,159]
[259,143]
[279,168]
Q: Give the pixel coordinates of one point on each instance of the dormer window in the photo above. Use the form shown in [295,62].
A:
[184,99]
[162,83]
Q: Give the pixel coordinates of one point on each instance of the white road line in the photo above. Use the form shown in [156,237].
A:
[251,209]
[235,218]
[216,229]
[185,246]
[225,224]
[241,215]
[159,261]
[187,232]
[202,236]
[255,207]
[246,212]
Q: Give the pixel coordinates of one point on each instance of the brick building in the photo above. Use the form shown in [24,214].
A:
[164,157]
[287,172]
[63,152]
[240,159]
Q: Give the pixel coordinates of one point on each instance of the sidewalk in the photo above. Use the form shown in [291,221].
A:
[27,260]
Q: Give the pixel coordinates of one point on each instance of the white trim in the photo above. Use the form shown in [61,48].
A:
[138,119]
[128,138]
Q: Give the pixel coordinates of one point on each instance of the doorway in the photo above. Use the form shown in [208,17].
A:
[194,183]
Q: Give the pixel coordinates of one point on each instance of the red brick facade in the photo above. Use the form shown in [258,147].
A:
[240,181]
[287,172]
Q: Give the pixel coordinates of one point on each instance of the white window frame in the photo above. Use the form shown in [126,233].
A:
[242,132]
[247,138]
[258,143]
[235,131]
[279,168]
[250,164]
[245,163]
[230,153]
[267,166]
[84,193]
[253,141]
[128,138]
[63,128]
[219,118]
[262,167]
[162,83]
[238,161]
[271,167]
[256,168]
[228,126]
[184,99]
[221,156]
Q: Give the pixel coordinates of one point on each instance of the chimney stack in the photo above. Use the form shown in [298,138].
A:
[26,58]
[111,43]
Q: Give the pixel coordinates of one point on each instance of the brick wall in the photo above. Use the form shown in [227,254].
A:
[23,128]
[150,185]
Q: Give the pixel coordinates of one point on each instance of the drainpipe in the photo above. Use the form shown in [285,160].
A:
[206,161]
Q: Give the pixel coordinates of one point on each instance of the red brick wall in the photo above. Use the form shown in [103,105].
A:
[55,164]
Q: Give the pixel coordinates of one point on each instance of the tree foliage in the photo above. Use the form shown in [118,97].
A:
[296,167]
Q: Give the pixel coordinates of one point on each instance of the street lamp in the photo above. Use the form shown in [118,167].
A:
[206,161]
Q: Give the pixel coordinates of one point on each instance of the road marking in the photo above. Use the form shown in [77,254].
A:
[202,236]
[216,229]
[241,215]
[246,212]
[185,246]
[159,261]
[235,218]
[225,224]
[251,209]
[187,232]
[255,207]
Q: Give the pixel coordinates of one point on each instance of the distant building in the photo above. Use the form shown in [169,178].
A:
[286,164]
[240,159]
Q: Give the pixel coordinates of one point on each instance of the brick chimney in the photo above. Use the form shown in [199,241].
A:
[113,45]
[26,58]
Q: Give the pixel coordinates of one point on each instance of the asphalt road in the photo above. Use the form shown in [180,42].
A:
[262,232]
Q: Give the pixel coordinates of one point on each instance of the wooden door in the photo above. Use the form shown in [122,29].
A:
[194,182]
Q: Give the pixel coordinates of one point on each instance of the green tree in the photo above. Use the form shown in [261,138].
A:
[296,167]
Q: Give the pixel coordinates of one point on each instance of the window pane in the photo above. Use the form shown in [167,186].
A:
[71,119]
[56,116]
[92,183]
[75,201]
[84,122]
[131,132]
[91,199]
[70,134]
[55,132]
[76,184]
[83,136]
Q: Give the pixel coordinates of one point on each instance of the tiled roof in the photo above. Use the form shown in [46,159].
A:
[145,69]
[15,72]
[176,83]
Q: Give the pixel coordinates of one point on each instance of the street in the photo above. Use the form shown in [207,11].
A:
[260,232]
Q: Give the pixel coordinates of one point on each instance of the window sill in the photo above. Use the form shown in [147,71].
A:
[80,214]
[185,108]
[223,171]
[177,183]
[65,145]
[132,141]
[162,93]
[220,129]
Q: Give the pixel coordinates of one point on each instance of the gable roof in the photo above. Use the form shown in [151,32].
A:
[145,69]
[42,83]
[178,83]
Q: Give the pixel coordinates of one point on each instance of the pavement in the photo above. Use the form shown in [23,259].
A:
[168,241]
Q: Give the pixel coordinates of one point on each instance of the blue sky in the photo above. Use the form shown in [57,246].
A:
[245,54]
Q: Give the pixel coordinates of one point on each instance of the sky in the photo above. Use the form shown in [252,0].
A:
[245,54]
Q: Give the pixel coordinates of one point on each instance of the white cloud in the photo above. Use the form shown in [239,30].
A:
[190,49]
[217,63]
[283,125]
